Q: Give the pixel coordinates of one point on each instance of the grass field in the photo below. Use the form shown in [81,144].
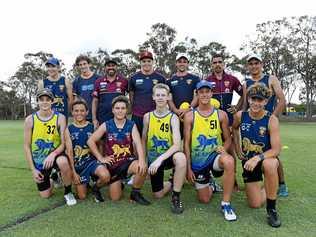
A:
[20,202]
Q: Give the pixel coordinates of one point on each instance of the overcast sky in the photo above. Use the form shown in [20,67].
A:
[67,28]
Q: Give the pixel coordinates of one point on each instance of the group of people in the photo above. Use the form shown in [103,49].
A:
[103,147]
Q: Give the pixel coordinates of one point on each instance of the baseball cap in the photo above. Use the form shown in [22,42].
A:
[182,55]
[204,83]
[145,54]
[110,60]
[52,61]
[254,56]
[46,92]
[259,90]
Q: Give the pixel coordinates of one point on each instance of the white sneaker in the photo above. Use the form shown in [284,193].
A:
[228,212]
[70,199]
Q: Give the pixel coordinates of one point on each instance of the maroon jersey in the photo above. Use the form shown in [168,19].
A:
[118,141]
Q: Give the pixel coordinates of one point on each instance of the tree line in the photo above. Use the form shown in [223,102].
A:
[286,47]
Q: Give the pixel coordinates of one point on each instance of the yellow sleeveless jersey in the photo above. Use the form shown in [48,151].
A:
[45,138]
[206,136]
[159,138]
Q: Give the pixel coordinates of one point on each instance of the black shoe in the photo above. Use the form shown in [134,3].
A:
[273,218]
[139,198]
[176,205]
[97,194]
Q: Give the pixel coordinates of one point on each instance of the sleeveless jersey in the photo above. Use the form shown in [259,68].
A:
[159,138]
[45,138]
[255,137]
[118,141]
[206,136]
[79,137]
[59,90]
[265,80]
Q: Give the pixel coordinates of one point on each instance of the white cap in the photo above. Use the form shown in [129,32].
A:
[182,55]
[254,56]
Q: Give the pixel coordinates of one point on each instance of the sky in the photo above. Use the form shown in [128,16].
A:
[68,28]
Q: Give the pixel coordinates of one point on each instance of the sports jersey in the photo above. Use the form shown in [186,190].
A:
[79,137]
[255,136]
[182,88]
[105,91]
[58,88]
[159,138]
[84,87]
[224,90]
[265,80]
[45,138]
[118,141]
[206,136]
[142,86]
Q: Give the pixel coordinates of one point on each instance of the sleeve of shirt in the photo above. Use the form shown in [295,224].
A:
[237,86]
[75,86]
[96,89]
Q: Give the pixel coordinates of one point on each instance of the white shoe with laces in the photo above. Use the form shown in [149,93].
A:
[228,212]
[70,199]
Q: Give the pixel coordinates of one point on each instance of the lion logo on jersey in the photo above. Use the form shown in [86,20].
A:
[58,101]
[118,151]
[204,141]
[42,151]
[81,152]
[249,147]
[159,143]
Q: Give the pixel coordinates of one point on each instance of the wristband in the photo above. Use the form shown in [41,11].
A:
[261,157]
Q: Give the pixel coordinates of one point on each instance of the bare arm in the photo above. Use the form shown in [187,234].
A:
[62,128]
[244,97]
[172,106]
[281,103]
[95,104]
[69,149]
[93,142]
[275,139]
[145,131]
[194,102]
[69,93]
[131,97]
[28,126]
[142,167]
[188,123]
[223,118]
[236,134]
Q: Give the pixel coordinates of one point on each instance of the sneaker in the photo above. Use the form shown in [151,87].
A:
[70,199]
[97,194]
[57,181]
[283,191]
[176,205]
[139,198]
[215,186]
[130,181]
[273,218]
[228,212]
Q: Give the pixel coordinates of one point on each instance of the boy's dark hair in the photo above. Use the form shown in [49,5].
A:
[120,98]
[80,102]
[82,58]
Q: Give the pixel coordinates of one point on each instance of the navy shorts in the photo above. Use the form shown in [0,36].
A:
[86,170]
[158,178]
[252,176]
[119,172]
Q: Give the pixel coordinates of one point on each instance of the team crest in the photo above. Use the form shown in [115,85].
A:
[189,81]
[139,81]
[158,121]
[226,83]
[61,88]
[118,84]
[173,83]
[155,81]
[262,131]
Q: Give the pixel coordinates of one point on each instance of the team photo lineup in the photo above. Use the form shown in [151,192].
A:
[111,131]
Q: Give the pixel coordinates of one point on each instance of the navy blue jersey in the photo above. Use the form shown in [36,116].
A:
[255,135]
[84,88]
[59,90]
[142,86]
[79,137]
[182,88]
[265,80]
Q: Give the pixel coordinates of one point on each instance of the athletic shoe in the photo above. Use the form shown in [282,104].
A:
[57,181]
[283,191]
[273,218]
[215,186]
[70,199]
[136,196]
[130,181]
[97,194]
[176,205]
[228,212]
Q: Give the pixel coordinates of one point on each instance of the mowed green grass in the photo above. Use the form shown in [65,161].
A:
[18,198]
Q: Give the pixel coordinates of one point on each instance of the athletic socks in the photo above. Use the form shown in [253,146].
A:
[175,194]
[270,204]
[67,189]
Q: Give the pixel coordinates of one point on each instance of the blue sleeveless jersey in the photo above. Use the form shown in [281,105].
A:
[59,90]
[255,136]
[79,137]
[265,80]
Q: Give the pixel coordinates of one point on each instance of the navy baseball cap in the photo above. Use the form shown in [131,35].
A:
[52,61]
[204,83]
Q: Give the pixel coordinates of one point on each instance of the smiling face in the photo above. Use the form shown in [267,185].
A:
[44,103]
[182,64]
[52,70]
[204,95]
[110,69]
[256,104]
[161,97]
[119,110]
[217,64]
[146,65]
[79,113]
[254,67]
[84,67]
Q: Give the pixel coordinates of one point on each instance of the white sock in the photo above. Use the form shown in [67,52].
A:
[225,203]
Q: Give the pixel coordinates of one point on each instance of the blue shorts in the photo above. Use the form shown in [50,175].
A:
[86,170]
